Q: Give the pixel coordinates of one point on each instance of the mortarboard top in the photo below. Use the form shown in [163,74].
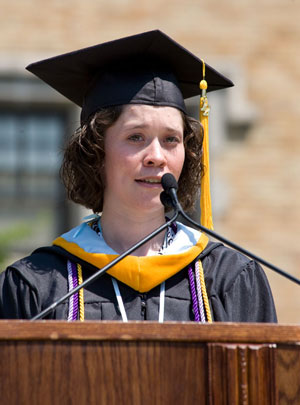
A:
[147,68]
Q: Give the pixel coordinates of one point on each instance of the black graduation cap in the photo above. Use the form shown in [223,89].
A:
[147,68]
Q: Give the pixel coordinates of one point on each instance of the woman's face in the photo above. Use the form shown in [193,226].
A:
[140,147]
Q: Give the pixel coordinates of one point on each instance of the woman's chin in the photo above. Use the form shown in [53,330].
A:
[149,205]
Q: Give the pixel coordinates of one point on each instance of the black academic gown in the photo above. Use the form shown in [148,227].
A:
[237,289]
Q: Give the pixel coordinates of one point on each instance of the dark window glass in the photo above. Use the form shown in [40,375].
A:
[31,195]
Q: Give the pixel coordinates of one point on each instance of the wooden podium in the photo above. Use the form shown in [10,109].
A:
[52,362]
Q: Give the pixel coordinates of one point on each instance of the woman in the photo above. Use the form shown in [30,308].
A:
[134,129]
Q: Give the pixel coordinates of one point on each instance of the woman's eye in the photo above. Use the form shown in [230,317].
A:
[172,139]
[135,138]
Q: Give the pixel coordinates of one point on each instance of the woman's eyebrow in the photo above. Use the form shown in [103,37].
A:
[135,126]
[145,125]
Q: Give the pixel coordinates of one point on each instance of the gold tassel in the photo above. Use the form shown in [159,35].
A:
[205,199]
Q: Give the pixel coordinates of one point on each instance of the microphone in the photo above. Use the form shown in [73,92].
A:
[169,196]
[166,200]
[169,184]
[104,269]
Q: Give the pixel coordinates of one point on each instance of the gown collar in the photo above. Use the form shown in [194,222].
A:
[142,273]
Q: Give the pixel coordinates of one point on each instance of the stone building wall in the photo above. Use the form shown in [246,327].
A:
[259,39]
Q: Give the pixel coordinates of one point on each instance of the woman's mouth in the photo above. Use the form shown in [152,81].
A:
[150,182]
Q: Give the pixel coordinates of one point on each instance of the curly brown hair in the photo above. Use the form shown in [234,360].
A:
[83,162]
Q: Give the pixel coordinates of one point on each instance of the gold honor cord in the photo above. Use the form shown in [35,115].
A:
[81,298]
[204,294]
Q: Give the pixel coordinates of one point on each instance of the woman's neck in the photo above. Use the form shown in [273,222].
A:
[122,230]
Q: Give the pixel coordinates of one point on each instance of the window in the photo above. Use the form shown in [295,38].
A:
[33,126]
[29,155]
[31,195]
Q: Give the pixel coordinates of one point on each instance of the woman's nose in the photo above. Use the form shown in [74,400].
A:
[154,155]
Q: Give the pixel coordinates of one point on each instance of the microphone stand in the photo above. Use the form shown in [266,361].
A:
[176,204]
[104,269]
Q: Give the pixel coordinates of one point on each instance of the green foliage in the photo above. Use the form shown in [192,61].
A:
[10,236]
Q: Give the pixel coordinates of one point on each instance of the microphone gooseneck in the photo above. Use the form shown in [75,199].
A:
[169,199]
[170,186]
